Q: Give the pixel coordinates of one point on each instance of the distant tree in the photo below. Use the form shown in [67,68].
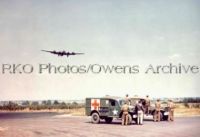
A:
[35,103]
[56,102]
[198,99]
[74,104]
[63,105]
[12,106]
[44,102]
[49,102]
[68,105]
[25,103]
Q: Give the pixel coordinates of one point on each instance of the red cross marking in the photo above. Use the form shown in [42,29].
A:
[95,104]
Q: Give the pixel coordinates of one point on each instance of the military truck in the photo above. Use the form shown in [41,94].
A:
[105,108]
[164,109]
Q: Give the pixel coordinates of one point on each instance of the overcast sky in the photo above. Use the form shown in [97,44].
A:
[128,32]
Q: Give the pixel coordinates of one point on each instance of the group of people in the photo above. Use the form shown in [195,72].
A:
[170,107]
[143,107]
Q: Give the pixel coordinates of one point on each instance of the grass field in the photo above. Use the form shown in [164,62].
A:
[180,110]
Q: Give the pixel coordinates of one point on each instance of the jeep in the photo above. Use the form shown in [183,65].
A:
[164,108]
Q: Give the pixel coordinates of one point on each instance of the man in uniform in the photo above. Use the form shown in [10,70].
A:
[127,100]
[140,112]
[147,104]
[125,109]
[157,111]
[170,105]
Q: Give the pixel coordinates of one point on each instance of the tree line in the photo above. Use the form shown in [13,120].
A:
[35,105]
[48,104]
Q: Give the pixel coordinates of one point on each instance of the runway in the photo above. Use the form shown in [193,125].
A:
[61,125]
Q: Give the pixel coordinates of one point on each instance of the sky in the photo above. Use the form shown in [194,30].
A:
[114,32]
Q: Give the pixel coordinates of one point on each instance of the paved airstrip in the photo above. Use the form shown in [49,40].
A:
[53,125]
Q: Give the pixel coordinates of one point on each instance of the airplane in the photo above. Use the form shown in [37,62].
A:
[62,53]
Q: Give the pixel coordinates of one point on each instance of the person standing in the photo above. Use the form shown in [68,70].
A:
[140,112]
[171,110]
[127,100]
[157,111]
[147,105]
[125,109]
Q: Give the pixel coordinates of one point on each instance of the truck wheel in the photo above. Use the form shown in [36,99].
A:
[95,118]
[165,118]
[135,120]
[108,119]
[161,116]
[129,119]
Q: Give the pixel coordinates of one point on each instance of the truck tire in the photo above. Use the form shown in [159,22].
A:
[95,118]
[129,119]
[165,117]
[135,120]
[108,120]
[161,116]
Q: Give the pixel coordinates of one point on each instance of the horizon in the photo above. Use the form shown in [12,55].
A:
[94,97]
